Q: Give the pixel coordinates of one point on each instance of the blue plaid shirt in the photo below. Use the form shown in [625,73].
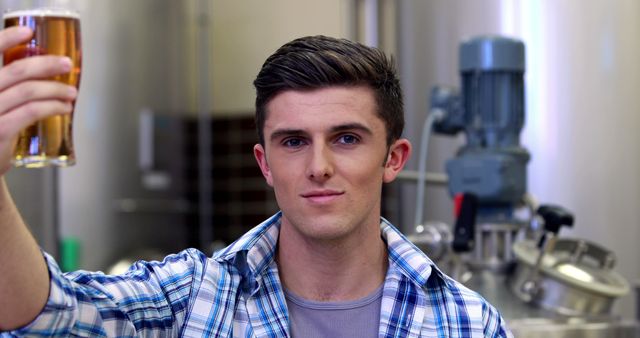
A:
[237,293]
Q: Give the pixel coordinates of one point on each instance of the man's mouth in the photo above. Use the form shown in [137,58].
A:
[322,196]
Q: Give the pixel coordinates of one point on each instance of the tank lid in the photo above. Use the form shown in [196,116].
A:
[577,263]
[492,53]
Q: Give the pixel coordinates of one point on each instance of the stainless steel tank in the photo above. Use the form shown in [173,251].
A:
[532,321]
[581,106]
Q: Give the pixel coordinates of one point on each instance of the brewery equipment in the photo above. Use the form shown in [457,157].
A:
[490,169]
[503,244]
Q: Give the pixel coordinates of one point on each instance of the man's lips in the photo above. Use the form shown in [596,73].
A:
[322,196]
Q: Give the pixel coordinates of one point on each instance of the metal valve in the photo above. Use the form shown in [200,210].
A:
[554,218]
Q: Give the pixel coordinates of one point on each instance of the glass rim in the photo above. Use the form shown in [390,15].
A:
[41,12]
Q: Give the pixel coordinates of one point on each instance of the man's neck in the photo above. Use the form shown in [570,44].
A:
[340,270]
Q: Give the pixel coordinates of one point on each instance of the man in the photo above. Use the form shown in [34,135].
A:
[329,116]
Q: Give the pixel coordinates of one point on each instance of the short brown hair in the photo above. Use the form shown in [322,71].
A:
[315,62]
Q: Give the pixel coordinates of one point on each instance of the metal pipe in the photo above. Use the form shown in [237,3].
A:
[434,116]
[430,177]
[371,21]
[51,233]
[205,186]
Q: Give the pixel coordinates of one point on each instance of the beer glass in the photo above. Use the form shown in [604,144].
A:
[56,32]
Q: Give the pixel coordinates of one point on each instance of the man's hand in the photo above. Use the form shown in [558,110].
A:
[26,95]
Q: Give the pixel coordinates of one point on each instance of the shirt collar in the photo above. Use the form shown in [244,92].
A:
[252,253]
[405,256]
[256,249]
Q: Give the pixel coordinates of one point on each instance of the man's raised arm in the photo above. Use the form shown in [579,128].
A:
[24,98]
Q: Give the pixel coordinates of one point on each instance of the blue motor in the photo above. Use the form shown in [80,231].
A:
[490,111]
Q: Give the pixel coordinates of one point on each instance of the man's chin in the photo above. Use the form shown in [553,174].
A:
[321,227]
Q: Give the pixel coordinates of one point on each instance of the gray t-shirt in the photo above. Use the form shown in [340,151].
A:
[311,319]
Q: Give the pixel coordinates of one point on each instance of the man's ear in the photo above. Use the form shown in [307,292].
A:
[261,158]
[397,157]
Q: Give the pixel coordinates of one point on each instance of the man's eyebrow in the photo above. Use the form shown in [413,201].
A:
[352,126]
[280,133]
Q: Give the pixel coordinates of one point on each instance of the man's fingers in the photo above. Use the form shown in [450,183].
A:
[12,36]
[32,68]
[23,116]
[27,91]
[25,94]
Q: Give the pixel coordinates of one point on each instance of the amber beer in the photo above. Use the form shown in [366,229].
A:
[56,32]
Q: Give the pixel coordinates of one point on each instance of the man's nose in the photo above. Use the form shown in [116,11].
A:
[320,165]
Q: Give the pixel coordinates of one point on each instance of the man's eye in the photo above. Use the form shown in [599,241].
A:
[348,139]
[293,142]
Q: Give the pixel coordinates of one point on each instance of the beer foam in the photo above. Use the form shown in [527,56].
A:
[47,11]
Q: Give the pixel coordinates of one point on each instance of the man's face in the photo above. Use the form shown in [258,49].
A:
[326,157]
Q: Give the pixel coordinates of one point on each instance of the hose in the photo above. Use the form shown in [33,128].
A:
[435,115]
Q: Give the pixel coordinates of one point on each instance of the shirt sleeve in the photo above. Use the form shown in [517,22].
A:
[150,299]
[494,325]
